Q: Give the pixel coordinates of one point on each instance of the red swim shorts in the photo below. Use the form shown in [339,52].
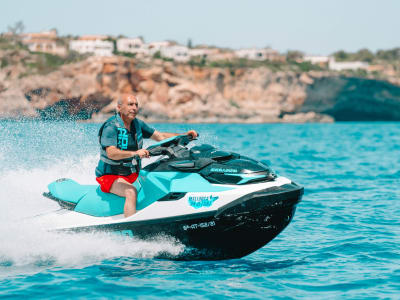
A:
[106,181]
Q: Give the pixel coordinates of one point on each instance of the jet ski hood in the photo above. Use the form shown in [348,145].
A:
[214,165]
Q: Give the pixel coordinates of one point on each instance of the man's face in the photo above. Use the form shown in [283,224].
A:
[129,107]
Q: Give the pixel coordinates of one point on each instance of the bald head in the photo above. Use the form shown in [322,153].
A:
[125,97]
[128,106]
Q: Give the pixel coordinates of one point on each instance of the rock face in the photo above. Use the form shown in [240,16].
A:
[13,104]
[353,99]
[170,92]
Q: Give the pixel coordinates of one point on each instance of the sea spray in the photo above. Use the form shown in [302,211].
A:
[33,154]
[25,243]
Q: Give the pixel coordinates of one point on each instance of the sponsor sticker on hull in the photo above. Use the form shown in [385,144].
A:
[202,201]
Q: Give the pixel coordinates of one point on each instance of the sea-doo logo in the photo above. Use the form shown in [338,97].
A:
[201,201]
[122,142]
[222,170]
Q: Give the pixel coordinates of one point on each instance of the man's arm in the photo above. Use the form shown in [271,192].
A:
[159,136]
[116,154]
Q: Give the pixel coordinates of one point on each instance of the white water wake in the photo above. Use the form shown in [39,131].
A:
[24,244]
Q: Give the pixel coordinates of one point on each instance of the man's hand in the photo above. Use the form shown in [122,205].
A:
[143,153]
[193,133]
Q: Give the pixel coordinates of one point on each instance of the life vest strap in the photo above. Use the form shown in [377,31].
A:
[134,162]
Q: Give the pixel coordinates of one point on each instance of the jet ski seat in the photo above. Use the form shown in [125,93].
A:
[88,199]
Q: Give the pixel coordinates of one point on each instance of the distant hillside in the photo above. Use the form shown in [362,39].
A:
[48,87]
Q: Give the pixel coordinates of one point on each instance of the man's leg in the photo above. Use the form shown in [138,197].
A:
[123,188]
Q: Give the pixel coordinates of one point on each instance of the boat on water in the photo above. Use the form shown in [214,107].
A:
[218,204]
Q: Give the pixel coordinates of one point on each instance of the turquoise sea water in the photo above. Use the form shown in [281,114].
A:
[344,241]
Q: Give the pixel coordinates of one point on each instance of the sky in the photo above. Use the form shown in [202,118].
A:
[318,27]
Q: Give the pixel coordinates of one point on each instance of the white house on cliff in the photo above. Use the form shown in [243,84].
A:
[336,65]
[176,52]
[347,65]
[258,54]
[95,44]
[45,41]
[131,45]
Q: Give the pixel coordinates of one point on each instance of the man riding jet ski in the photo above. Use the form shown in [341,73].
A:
[121,141]
[218,204]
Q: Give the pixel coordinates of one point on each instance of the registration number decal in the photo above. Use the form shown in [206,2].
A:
[199,225]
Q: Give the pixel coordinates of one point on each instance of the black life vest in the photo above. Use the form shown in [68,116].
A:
[123,166]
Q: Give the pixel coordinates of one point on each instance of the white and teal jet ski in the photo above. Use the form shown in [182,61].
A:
[218,204]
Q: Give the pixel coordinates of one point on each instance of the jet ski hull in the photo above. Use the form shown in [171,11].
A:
[233,231]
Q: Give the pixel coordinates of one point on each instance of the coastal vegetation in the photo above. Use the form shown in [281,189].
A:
[44,63]
[274,66]
[391,55]
[13,52]
[221,88]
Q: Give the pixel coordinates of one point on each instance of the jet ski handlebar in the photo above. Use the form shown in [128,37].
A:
[165,147]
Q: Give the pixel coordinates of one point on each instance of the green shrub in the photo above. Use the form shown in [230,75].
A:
[308,66]
[126,54]
[197,61]
[234,103]
[4,62]
[157,55]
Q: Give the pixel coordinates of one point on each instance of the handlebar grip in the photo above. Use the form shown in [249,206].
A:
[193,138]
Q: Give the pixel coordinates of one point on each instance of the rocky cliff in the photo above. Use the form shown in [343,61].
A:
[353,99]
[170,92]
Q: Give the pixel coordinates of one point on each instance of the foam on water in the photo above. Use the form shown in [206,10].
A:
[31,158]
[25,244]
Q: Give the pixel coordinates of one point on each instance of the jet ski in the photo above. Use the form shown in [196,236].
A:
[218,204]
